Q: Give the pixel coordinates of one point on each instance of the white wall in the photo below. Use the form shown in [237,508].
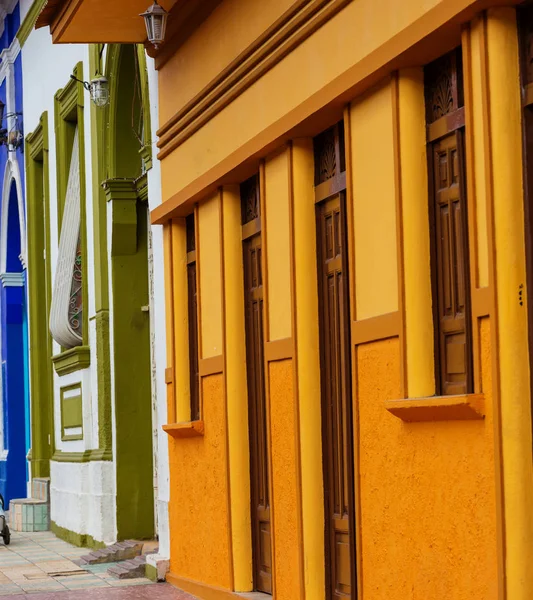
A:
[157,308]
[82,494]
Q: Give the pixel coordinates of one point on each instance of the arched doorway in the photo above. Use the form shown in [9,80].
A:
[15,438]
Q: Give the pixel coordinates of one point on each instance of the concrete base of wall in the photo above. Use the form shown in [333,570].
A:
[157,567]
[76,539]
[83,500]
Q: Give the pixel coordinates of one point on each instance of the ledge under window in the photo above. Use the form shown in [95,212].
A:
[75,359]
[466,407]
[185,430]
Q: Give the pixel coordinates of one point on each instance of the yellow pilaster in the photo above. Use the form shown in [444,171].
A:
[181,321]
[510,275]
[417,275]
[236,392]
[307,348]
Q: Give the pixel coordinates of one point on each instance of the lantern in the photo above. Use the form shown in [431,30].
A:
[155,19]
[99,89]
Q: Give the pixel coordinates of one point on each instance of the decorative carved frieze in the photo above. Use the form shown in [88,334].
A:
[443,86]
[250,206]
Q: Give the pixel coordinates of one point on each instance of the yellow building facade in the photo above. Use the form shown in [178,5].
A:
[347,235]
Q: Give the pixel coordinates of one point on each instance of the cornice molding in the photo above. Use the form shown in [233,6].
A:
[12,279]
[289,31]
[8,56]
[27,25]
[11,53]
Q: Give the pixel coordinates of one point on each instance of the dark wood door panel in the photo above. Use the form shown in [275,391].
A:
[259,448]
[451,261]
[336,399]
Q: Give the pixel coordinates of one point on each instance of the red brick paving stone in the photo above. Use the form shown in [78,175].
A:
[155,591]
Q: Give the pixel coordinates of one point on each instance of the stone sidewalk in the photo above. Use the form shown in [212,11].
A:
[40,562]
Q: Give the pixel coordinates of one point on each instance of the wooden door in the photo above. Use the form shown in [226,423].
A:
[259,454]
[337,428]
[451,261]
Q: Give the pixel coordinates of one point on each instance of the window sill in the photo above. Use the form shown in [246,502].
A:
[466,407]
[185,430]
[74,359]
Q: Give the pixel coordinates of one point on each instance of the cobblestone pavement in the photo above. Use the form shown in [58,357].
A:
[42,565]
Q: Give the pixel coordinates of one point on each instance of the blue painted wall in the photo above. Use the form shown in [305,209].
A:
[14,472]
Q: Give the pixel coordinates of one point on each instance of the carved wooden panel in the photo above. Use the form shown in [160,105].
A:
[329,154]
[250,206]
[526,43]
[443,83]
[191,239]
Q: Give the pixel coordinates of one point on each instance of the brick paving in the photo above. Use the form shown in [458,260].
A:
[157,591]
[42,565]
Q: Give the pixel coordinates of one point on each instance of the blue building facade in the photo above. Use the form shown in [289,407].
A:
[14,402]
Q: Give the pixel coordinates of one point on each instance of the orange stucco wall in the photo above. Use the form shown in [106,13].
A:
[284,481]
[427,496]
[199,519]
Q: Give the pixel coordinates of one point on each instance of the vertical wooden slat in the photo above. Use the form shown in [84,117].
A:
[352,286]
[337,398]
[266,338]
[258,418]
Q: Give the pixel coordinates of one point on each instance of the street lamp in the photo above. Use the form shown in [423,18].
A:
[155,19]
[98,88]
[99,91]
[13,138]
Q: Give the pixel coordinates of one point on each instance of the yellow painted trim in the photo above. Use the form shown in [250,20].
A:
[480,26]
[466,407]
[307,347]
[236,390]
[295,369]
[169,313]
[510,274]
[202,590]
[416,253]
[185,430]
[209,277]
